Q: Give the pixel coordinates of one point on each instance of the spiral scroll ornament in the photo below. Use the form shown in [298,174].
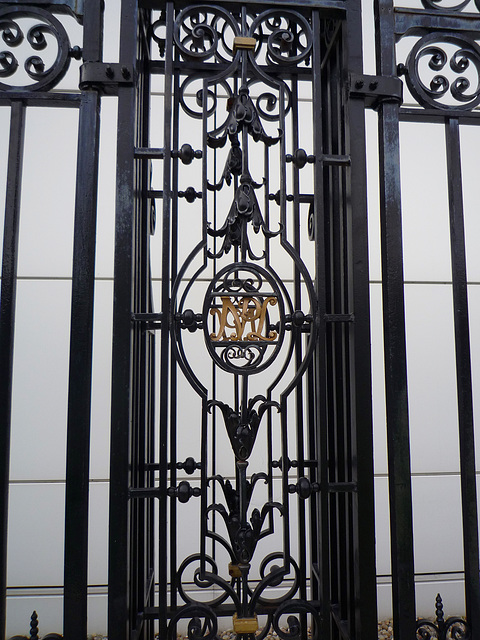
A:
[203,32]
[287,34]
[289,610]
[33,57]
[443,72]
[203,623]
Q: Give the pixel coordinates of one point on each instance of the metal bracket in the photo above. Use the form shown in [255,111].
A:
[376,89]
[106,77]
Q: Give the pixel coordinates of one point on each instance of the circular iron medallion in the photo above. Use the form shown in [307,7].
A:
[243,316]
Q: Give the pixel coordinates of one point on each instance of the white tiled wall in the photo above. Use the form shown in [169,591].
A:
[42,342]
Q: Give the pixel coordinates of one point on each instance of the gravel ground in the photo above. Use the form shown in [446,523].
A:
[385,632]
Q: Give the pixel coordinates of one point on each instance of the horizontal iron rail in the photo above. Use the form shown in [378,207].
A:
[37,99]
[222,611]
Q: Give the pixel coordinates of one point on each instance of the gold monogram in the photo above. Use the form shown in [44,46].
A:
[237,314]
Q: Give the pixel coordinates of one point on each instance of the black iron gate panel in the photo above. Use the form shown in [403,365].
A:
[36,53]
[244,134]
[434,48]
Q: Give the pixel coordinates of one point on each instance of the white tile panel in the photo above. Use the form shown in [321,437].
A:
[105,239]
[382,526]
[48,193]
[378,380]
[437,524]
[36,534]
[470,139]
[40,380]
[432,394]
[426,235]
[98,534]
[474,318]
[373,204]
[101,381]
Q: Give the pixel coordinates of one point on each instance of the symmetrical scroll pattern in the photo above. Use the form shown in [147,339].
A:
[443,71]
[249,317]
[34,57]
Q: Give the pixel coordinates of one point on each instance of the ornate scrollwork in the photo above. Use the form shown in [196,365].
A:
[203,582]
[443,71]
[202,32]
[203,624]
[268,102]
[273,575]
[287,34]
[47,36]
[293,629]
[243,298]
[193,98]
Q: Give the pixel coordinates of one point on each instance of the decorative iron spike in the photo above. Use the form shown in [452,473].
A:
[439,611]
[442,629]
[34,626]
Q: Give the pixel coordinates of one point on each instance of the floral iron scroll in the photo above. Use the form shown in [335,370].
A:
[251,322]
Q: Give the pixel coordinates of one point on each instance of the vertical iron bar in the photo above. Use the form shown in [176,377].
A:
[121,411]
[81,343]
[464,376]
[173,363]
[165,333]
[398,438]
[361,430]
[298,359]
[319,411]
[7,326]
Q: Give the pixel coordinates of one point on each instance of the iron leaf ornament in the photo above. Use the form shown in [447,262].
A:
[242,428]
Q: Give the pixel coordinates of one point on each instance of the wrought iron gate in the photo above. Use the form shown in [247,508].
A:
[264,432]
[241,477]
